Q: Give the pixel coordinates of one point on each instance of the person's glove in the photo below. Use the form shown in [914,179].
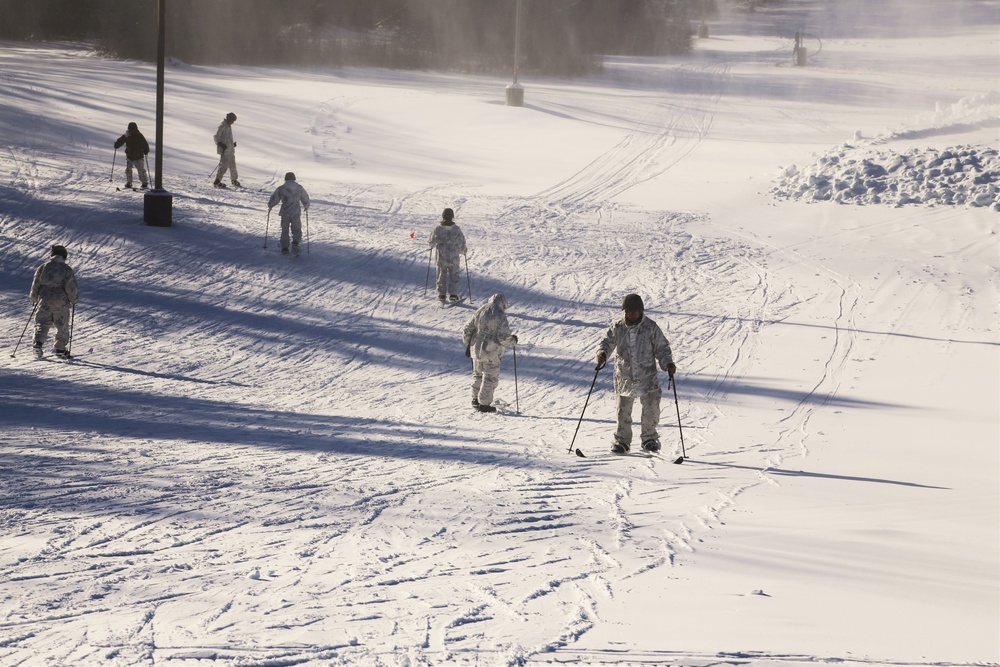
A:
[671,369]
[222,146]
[513,339]
[234,144]
[601,361]
[468,350]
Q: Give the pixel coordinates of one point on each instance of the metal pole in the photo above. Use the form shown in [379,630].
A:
[307,231]
[427,280]
[34,308]
[112,177]
[517,400]
[69,343]
[589,392]
[468,277]
[677,405]
[266,224]
[517,39]
[160,58]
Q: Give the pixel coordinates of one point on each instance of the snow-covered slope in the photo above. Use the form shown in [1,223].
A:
[260,460]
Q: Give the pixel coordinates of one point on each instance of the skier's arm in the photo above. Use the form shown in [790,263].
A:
[661,350]
[35,286]
[72,291]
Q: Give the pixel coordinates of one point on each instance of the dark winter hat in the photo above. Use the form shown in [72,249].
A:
[231,117]
[133,127]
[448,214]
[59,250]
[632,302]
[290,176]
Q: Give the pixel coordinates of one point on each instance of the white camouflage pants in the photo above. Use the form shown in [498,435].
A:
[485,377]
[227,162]
[46,317]
[140,167]
[448,274]
[650,417]
[294,223]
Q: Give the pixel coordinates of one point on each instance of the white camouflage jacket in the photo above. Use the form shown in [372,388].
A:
[449,241]
[293,198]
[640,347]
[488,332]
[54,285]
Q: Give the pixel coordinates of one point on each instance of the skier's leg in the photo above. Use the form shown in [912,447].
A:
[650,414]
[295,222]
[285,222]
[60,318]
[232,166]
[490,367]
[477,378]
[223,166]
[141,168]
[43,320]
[623,434]
[442,275]
[128,173]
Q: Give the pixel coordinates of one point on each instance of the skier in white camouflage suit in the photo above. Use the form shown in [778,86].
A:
[225,146]
[53,291]
[294,199]
[449,242]
[640,345]
[486,336]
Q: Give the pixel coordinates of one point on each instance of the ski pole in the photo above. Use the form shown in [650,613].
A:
[468,277]
[517,400]
[307,231]
[427,280]
[112,177]
[148,179]
[266,226]
[677,405]
[35,307]
[596,371]
[213,171]
[72,318]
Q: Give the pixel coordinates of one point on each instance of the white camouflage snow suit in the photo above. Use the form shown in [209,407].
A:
[294,199]
[640,347]
[225,146]
[487,334]
[449,241]
[53,290]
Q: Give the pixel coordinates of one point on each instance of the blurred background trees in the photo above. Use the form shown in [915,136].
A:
[562,37]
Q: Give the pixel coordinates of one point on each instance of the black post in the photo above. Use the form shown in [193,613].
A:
[158,203]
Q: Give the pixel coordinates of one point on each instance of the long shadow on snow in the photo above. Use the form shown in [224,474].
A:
[27,401]
[817,475]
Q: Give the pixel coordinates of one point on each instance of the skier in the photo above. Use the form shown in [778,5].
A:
[226,148]
[640,345]
[53,291]
[449,242]
[136,150]
[293,198]
[486,336]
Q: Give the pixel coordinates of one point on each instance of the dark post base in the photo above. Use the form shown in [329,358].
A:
[515,95]
[158,208]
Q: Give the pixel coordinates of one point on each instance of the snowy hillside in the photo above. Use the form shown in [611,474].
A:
[262,460]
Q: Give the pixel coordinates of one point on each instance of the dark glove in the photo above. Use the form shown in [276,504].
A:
[234,144]
[513,339]
[222,146]
[468,350]
[671,369]
[601,361]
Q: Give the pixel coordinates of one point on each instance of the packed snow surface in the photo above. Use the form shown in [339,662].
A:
[265,460]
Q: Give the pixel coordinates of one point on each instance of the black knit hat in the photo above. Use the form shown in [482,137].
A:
[59,250]
[290,176]
[133,127]
[448,214]
[231,117]
[632,302]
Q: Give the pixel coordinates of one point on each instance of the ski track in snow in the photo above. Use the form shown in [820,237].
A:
[204,429]
[213,475]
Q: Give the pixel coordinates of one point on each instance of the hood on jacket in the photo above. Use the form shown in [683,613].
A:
[498,301]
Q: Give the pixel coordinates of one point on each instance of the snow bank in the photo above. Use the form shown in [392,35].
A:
[956,176]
